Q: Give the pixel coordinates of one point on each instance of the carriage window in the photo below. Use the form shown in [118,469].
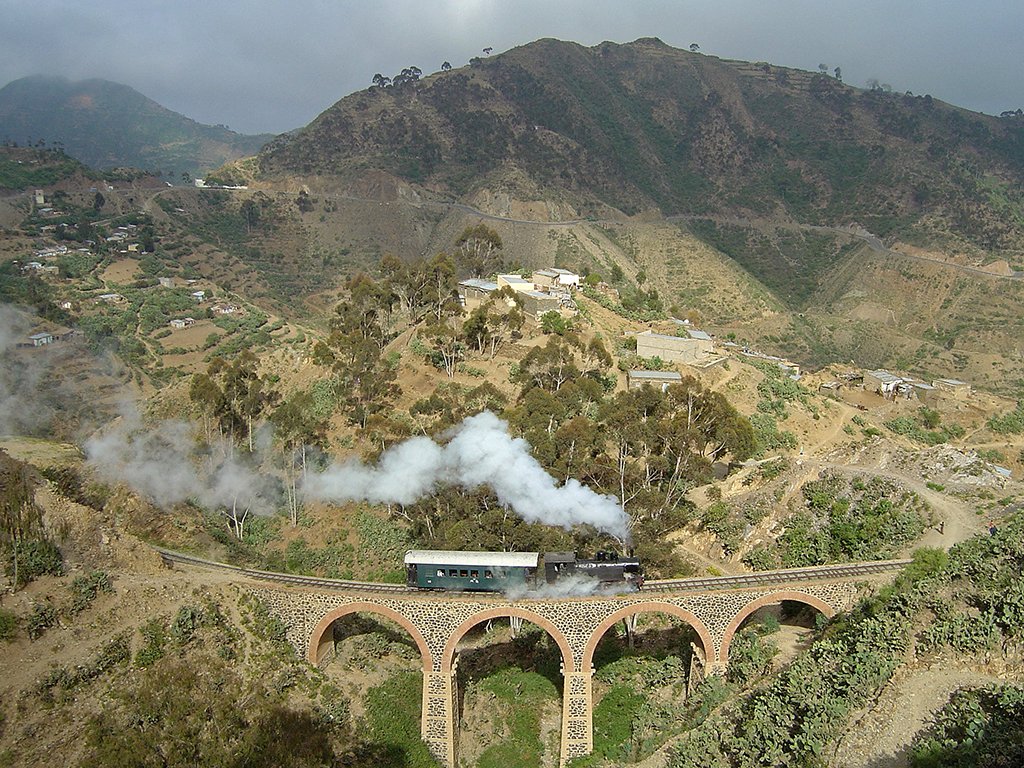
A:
[453,573]
[440,571]
[475,574]
[488,575]
[463,573]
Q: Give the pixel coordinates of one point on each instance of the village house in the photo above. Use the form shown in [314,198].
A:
[199,296]
[953,388]
[535,304]
[109,298]
[50,252]
[182,322]
[882,382]
[553,277]
[166,282]
[41,339]
[926,393]
[225,309]
[474,292]
[658,379]
[694,348]
[516,283]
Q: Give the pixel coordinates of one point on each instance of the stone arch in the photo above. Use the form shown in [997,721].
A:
[334,614]
[648,607]
[448,656]
[775,597]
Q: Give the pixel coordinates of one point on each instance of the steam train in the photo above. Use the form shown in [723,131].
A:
[518,571]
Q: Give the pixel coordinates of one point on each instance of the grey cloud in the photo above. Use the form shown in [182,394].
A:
[264,65]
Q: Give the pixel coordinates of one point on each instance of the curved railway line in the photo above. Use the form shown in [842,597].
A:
[700,584]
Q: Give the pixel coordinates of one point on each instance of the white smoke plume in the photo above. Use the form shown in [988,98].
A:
[480,451]
[573,585]
[159,461]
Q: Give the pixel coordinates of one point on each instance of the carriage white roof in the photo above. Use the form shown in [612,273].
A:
[454,557]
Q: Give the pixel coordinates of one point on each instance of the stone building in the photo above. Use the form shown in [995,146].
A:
[690,349]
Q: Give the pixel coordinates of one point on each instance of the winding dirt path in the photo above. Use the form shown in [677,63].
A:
[880,735]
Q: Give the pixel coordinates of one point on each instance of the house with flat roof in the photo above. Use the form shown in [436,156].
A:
[953,388]
[688,349]
[536,303]
[553,277]
[474,292]
[659,379]
[882,382]
[517,283]
[41,339]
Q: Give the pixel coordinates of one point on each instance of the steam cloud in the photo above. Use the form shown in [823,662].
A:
[159,461]
[480,452]
[573,585]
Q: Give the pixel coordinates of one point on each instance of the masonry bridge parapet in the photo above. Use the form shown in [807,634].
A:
[438,621]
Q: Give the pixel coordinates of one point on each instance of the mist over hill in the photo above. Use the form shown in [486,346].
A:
[108,125]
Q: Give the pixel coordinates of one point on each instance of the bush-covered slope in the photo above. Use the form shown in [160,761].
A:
[643,124]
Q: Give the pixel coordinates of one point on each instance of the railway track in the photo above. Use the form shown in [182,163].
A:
[701,584]
[775,578]
[171,558]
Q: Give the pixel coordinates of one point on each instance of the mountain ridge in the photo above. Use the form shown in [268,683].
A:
[87,119]
[643,126]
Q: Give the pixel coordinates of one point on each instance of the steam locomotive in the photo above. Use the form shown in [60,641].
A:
[517,571]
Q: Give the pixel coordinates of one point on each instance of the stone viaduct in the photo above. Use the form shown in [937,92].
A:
[714,608]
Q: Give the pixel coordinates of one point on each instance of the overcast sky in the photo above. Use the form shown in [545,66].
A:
[272,65]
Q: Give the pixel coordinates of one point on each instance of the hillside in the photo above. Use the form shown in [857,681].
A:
[643,126]
[109,125]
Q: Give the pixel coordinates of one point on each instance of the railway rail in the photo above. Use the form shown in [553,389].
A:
[700,584]
[776,578]
[170,558]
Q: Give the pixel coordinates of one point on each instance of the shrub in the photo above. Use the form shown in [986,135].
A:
[43,616]
[29,560]
[8,624]
[85,589]
[977,728]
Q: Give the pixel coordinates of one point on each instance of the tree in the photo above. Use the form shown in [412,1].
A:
[547,367]
[694,47]
[478,251]
[823,68]
[553,322]
[354,349]
[234,393]
[250,211]
[297,427]
[98,202]
[446,345]
[20,517]
[381,81]
[445,66]
[439,287]
[147,239]
[839,74]
[487,51]
[493,322]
